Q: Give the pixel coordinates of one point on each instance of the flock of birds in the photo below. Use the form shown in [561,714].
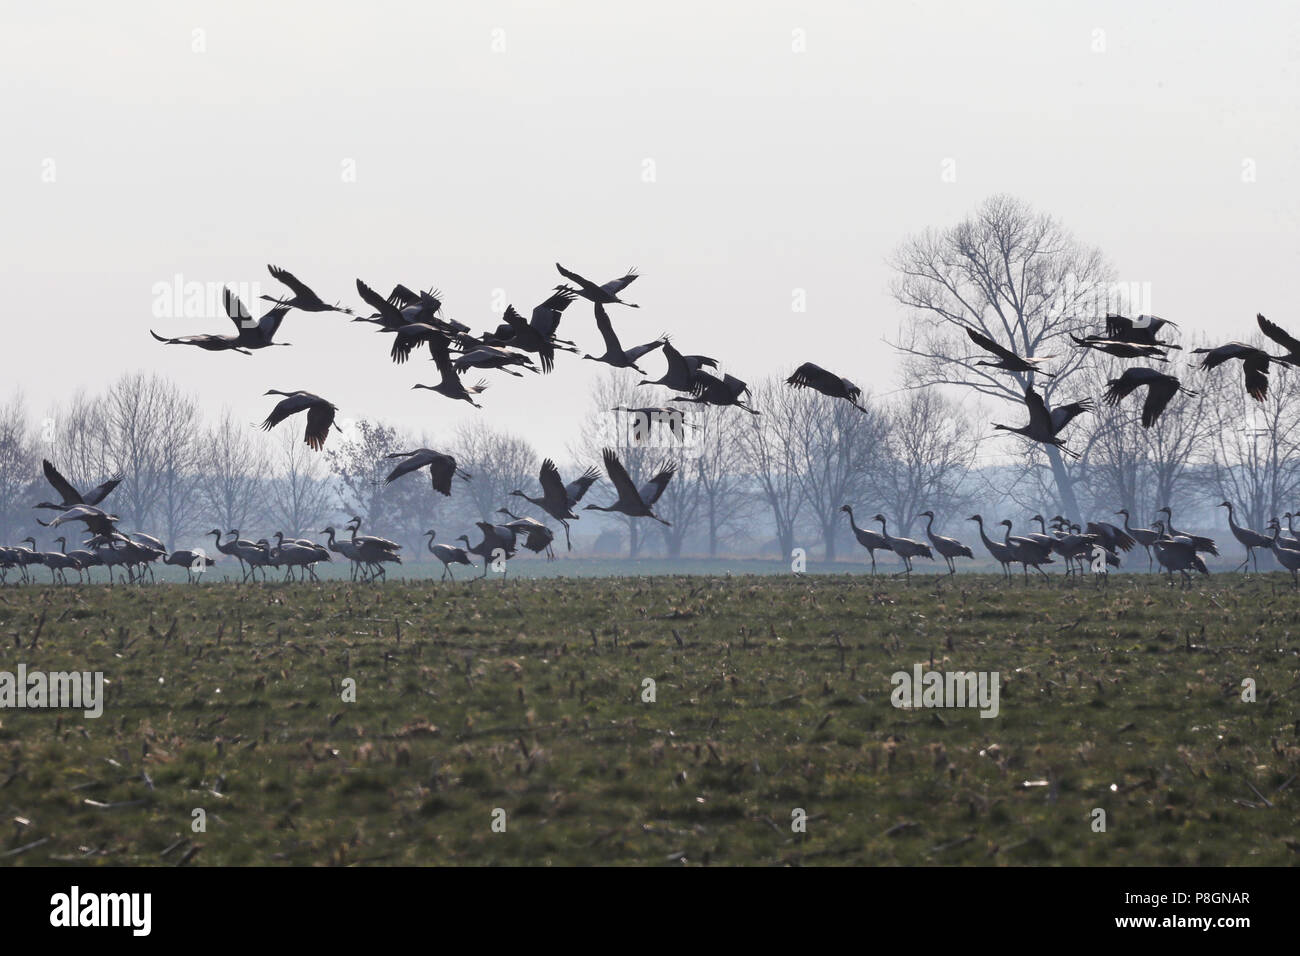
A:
[518,345]
[415,320]
[1079,548]
[1124,338]
[1128,338]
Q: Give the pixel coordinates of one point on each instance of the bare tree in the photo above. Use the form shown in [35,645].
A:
[1014,275]
[179,460]
[137,416]
[500,463]
[681,501]
[75,437]
[833,448]
[358,463]
[605,428]
[768,444]
[725,508]
[1253,457]
[18,466]
[1142,469]
[233,465]
[298,496]
[925,453]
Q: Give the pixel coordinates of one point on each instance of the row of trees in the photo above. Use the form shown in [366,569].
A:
[1021,278]
[744,484]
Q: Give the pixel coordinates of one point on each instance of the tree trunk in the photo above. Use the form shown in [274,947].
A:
[785,534]
[1063,484]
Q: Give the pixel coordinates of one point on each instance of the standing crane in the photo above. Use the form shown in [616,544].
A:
[1027,551]
[905,548]
[1200,543]
[1001,553]
[1250,540]
[448,555]
[873,541]
[1143,536]
[498,544]
[948,548]
[1289,558]
[1178,554]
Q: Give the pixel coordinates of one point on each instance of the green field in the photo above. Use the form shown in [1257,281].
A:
[772,694]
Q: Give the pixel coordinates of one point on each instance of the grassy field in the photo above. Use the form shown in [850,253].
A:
[772,694]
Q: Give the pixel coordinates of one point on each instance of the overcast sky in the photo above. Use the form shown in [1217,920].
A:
[470,146]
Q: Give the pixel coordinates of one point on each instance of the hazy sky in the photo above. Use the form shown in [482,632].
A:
[793,145]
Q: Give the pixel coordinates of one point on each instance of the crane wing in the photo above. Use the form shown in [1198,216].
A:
[99,493]
[1120,388]
[1039,420]
[552,484]
[586,284]
[70,494]
[413,462]
[546,316]
[988,345]
[242,318]
[515,320]
[286,277]
[442,359]
[615,286]
[575,489]
[1159,393]
[652,490]
[813,376]
[1278,334]
[1257,376]
[269,324]
[388,311]
[283,409]
[441,470]
[319,419]
[618,476]
[612,345]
